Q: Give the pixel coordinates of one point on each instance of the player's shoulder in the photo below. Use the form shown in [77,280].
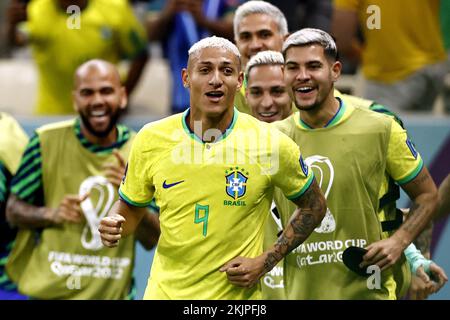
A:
[353,100]
[162,127]
[55,127]
[372,117]
[287,126]
[7,121]
[248,121]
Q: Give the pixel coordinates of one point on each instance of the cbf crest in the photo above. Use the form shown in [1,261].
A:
[236,182]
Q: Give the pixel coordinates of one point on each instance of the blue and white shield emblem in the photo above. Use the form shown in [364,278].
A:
[236,184]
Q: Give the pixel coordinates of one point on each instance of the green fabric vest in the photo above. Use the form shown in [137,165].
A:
[68,262]
[349,161]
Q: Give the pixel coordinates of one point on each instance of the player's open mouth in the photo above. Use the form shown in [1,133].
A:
[268,114]
[304,89]
[214,95]
[98,113]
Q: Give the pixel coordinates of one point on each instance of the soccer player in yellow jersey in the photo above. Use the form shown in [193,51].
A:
[355,151]
[67,179]
[269,100]
[213,171]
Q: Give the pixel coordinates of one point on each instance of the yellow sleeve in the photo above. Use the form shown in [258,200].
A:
[137,185]
[403,160]
[132,35]
[293,176]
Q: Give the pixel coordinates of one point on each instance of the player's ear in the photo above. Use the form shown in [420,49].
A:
[240,80]
[185,78]
[336,70]
[123,98]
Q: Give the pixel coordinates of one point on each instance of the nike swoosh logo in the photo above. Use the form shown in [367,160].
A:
[170,185]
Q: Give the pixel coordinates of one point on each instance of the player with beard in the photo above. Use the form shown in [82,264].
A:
[269,100]
[66,182]
[355,152]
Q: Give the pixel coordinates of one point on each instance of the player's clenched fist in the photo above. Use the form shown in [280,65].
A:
[111,230]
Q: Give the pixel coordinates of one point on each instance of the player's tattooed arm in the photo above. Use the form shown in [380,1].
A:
[311,208]
[423,193]
[423,241]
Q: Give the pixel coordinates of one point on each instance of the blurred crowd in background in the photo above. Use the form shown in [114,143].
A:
[396,52]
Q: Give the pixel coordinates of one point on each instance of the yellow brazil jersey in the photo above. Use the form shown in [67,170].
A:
[61,41]
[398,47]
[214,199]
[403,161]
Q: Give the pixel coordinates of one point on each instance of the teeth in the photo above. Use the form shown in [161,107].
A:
[267,114]
[304,89]
[98,113]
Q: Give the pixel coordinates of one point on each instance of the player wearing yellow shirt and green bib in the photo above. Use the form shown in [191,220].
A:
[213,192]
[354,151]
[67,180]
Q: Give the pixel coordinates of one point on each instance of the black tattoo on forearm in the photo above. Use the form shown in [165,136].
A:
[423,241]
[311,210]
[419,218]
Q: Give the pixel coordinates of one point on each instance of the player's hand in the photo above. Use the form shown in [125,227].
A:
[244,272]
[438,277]
[69,210]
[115,172]
[110,229]
[383,253]
[421,286]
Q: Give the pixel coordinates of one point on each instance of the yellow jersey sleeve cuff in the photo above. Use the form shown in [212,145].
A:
[131,202]
[297,195]
[413,174]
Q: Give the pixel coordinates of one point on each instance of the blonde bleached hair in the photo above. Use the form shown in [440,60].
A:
[309,36]
[213,42]
[268,57]
[261,7]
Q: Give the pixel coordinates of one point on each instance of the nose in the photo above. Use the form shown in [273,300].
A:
[303,74]
[266,101]
[255,44]
[97,98]
[215,80]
